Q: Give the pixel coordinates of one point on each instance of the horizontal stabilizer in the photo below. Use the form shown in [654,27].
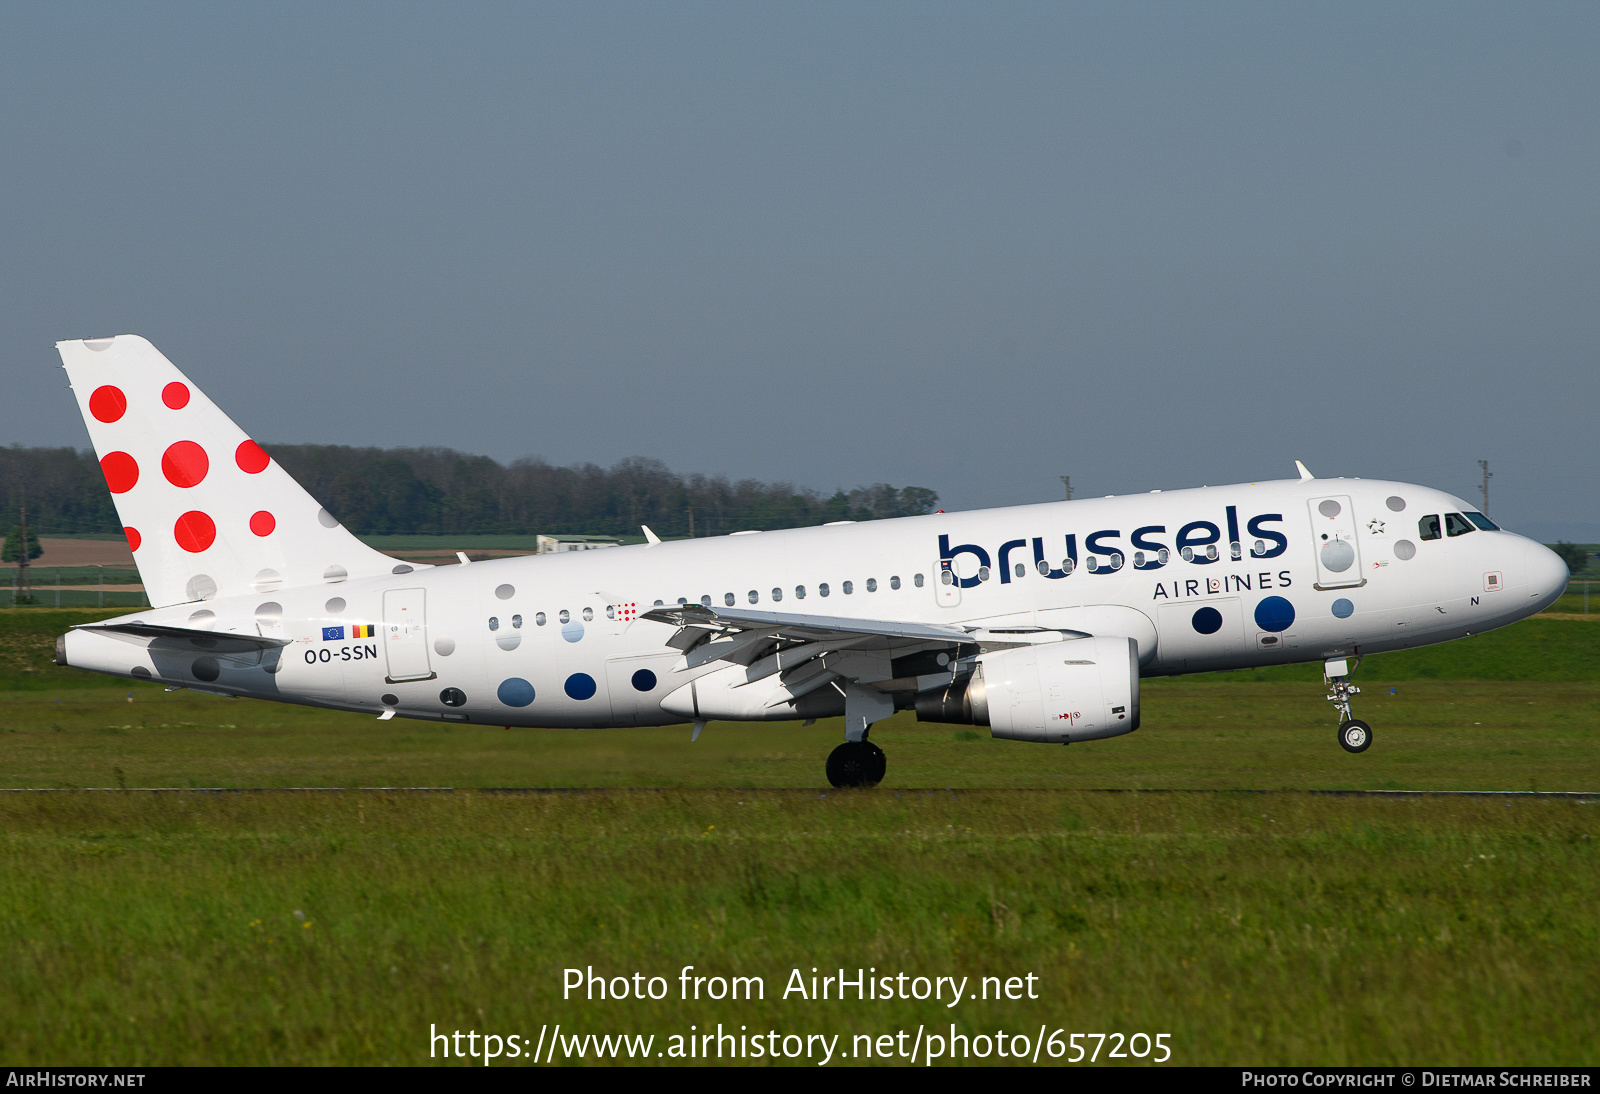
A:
[188,637]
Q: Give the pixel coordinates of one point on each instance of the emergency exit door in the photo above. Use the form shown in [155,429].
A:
[405,635]
[946,583]
[1333,540]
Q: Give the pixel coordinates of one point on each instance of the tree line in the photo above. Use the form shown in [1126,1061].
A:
[389,491]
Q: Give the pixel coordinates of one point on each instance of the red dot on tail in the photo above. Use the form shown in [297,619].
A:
[175,395]
[263,523]
[134,539]
[108,403]
[185,464]
[195,531]
[251,458]
[121,471]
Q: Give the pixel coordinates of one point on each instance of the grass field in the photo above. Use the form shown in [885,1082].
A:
[1272,927]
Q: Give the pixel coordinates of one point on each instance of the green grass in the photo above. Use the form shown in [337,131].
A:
[1279,927]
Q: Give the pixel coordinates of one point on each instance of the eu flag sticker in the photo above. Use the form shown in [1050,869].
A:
[333,634]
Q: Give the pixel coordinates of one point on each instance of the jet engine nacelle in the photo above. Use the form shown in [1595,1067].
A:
[1079,690]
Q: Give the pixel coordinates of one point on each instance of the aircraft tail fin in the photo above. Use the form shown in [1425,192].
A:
[207,512]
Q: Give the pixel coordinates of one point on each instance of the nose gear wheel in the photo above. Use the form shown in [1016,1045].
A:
[1355,735]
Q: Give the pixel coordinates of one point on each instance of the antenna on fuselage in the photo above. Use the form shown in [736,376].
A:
[1066,482]
[1487,475]
[1304,474]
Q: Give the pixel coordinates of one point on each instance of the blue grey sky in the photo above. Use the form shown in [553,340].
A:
[965,246]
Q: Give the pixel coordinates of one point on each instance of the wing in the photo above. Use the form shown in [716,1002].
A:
[810,651]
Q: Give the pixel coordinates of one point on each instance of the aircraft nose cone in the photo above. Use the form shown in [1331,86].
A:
[1547,574]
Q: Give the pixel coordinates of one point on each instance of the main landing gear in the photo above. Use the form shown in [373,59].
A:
[857,763]
[1354,734]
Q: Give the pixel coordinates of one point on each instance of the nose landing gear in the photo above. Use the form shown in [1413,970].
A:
[1354,734]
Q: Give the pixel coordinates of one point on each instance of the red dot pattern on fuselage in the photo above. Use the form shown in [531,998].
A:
[251,458]
[175,395]
[195,531]
[121,471]
[108,403]
[185,464]
[263,523]
[134,538]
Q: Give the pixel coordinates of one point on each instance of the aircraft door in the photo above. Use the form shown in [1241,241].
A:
[1333,538]
[1197,635]
[405,635]
[946,583]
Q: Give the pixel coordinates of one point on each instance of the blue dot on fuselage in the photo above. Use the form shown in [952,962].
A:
[1274,614]
[580,685]
[515,692]
[572,631]
[1207,621]
[1343,609]
[644,680]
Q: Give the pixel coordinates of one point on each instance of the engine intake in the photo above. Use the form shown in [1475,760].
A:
[1080,690]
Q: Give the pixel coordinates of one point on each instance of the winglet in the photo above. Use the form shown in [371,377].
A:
[649,536]
[1304,474]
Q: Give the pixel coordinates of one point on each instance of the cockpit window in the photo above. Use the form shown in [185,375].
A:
[1428,528]
[1457,525]
[1482,522]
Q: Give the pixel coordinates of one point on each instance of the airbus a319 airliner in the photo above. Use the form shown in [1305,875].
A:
[1037,621]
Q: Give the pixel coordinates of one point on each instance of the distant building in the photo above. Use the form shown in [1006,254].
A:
[549,545]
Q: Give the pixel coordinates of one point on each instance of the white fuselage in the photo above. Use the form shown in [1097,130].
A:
[551,640]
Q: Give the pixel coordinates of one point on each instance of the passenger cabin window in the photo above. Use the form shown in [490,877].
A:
[1457,525]
[565,616]
[494,622]
[777,594]
[705,601]
[894,582]
[799,592]
[872,584]
[847,588]
[516,622]
[728,599]
[822,590]
[588,614]
[1428,528]
[916,580]
[539,616]
[1483,522]
[755,596]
